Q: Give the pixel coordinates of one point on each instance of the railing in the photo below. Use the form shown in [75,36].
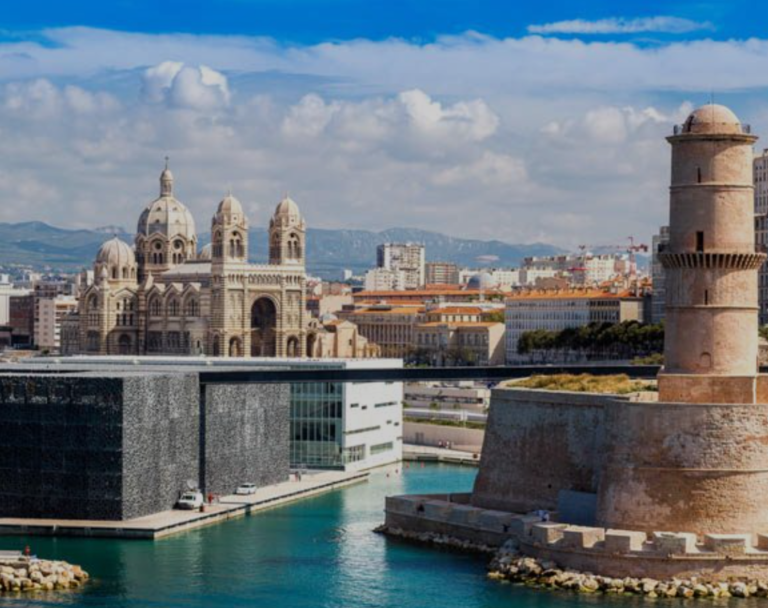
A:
[721,248]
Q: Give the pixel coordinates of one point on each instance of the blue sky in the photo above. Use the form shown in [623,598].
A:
[311,21]
[518,121]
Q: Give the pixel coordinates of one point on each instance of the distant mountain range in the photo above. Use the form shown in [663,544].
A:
[328,251]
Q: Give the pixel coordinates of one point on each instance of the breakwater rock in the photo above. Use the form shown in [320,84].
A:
[31,574]
[438,540]
[509,565]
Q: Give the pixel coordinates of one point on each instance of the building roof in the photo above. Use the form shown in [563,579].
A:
[116,252]
[456,324]
[571,294]
[712,118]
[166,214]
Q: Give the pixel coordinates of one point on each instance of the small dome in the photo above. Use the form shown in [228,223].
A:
[712,118]
[328,317]
[116,253]
[206,253]
[481,281]
[230,205]
[166,214]
[288,208]
[229,211]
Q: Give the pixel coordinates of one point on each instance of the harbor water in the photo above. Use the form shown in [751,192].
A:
[318,553]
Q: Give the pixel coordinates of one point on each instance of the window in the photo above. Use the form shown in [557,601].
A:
[699,241]
[173,308]
[381,448]
[155,308]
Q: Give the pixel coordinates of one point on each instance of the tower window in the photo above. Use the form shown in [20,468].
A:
[706,297]
[700,241]
[698,174]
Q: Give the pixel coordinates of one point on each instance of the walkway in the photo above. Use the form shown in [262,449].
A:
[427,453]
[166,523]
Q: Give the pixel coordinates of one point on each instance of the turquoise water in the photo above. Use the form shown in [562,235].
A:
[316,553]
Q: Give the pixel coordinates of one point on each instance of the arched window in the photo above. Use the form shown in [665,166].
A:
[191,308]
[294,247]
[216,250]
[114,272]
[155,307]
[173,307]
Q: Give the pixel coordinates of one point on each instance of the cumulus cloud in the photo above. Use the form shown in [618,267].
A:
[622,25]
[554,139]
[181,86]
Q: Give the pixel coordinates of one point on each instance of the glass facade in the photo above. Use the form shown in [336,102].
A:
[317,410]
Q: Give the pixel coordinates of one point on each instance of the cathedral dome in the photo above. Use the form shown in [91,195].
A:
[166,215]
[288,208]
[229,211]
[117,253]
[712,118]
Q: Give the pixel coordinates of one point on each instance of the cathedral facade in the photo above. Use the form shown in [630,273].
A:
[166,296]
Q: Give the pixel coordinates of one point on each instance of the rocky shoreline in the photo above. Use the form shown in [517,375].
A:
[509,565]
[31,574]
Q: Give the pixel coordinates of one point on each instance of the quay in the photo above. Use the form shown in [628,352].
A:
[167,523]
[427,453]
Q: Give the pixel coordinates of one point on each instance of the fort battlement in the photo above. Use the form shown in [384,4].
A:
[660,554]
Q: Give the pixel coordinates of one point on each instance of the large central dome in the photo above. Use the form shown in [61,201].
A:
[166,215]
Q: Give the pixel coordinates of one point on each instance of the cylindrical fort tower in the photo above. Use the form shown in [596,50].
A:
[710,350]
[697,460]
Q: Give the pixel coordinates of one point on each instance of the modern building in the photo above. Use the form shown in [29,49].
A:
[407,257]
[385,279]
[8,290]
[461,395]
[22,319]
[333,425]
[441,273]
[116,444]
[658,276]
[165,296]
[560,309]
[50,313]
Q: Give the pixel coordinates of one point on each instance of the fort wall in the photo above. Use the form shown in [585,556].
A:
[537,444]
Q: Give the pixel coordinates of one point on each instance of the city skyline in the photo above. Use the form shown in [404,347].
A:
[550,121]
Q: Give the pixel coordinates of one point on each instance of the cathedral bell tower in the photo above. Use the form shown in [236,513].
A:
[287,235]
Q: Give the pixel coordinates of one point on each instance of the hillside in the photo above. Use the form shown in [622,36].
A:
[328,251]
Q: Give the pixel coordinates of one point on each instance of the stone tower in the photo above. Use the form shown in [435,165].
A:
[711,263]
[287,235]
[697,459]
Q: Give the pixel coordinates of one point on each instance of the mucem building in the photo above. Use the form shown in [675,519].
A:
[350,426]
[117,444]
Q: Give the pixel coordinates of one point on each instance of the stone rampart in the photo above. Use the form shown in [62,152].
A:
[538,443]
[608,552]
[684,466]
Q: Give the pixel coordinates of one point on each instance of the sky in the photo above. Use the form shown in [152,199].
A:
[479,119]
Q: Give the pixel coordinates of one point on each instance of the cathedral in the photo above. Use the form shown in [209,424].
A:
[164,296]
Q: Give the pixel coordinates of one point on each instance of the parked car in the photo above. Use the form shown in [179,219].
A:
[192,499]
[246,488]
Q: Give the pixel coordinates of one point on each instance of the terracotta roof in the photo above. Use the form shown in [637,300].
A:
[458,324]
[402,310]
[568,294]
[457,310]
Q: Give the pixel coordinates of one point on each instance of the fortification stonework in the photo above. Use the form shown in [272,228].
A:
[538,443]
[698,468]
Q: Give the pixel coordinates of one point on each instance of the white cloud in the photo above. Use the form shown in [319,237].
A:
[622,25]
[200,88]
[532,131]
